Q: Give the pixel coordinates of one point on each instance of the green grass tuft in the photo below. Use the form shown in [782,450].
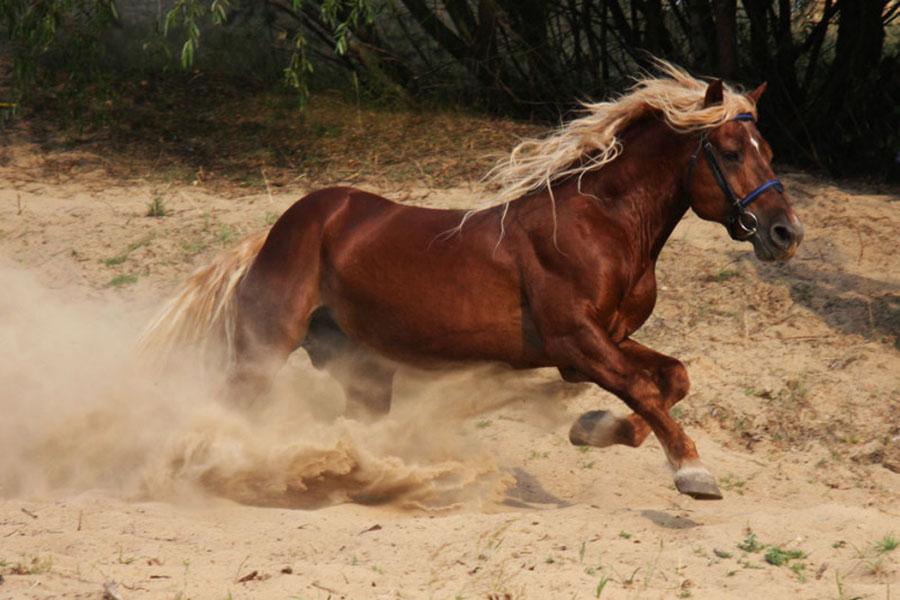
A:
[888,543]
[777,556]
[123,279]
[750,543]
[157,207]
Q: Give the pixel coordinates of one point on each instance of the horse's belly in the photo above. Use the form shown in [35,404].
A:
[417,315]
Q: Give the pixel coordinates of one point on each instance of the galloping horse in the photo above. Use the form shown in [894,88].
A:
[558,273]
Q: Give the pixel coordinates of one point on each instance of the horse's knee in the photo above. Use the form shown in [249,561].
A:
[677,383]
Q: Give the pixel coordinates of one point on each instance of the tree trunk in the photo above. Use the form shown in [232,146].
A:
[726,37]
[704,28]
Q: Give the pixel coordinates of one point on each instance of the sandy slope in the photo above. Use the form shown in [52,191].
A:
[469,489]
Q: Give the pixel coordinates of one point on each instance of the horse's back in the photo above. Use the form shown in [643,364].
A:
[405,279]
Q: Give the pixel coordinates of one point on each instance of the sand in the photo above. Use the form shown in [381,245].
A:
[469,489]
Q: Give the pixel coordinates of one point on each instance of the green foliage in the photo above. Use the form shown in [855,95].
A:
[888,543]
[777,556]
[831,101]
[122,280]
[750,543]
[157,207]
[34,29]
[342,17]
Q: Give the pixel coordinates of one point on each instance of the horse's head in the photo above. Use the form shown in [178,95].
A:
[731,182]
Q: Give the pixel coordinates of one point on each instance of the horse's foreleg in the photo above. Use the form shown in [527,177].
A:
[601,428]
[622,370]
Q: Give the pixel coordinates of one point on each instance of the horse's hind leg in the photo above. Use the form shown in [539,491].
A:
[366,378]
[272,316]
[601,428]
[368,384]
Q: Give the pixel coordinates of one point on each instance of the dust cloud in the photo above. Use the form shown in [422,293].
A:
[79,411]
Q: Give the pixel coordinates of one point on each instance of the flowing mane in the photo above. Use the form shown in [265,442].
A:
[590,141]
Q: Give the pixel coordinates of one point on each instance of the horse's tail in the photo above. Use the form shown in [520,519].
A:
[204,310]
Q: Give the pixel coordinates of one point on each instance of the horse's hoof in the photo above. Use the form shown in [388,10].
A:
[594,428]
[697,483]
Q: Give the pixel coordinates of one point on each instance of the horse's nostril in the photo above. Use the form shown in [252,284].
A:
[782,235]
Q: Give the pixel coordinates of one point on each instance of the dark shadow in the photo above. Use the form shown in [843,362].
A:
[529,491]
[847,303]
[668,521]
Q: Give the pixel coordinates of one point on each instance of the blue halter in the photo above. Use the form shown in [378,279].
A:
[742,224]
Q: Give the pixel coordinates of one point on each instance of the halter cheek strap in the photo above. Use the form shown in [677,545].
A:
[742,224]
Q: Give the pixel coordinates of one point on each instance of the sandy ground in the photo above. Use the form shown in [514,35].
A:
[795,406]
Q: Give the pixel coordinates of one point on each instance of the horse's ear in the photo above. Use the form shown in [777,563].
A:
[756,94]
[713,94]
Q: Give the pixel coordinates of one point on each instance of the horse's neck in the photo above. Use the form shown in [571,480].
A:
[645,185]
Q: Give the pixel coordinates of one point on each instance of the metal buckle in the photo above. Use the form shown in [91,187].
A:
[748,224]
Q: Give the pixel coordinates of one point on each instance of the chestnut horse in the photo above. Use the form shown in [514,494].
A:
[561,276]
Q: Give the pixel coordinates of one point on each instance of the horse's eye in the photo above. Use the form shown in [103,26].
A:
[730,156]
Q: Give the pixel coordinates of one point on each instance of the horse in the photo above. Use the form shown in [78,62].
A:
[558,272]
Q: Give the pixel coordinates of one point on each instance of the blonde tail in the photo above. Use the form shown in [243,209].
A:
[203,312]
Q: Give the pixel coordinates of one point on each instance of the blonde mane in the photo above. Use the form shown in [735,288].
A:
[590,141]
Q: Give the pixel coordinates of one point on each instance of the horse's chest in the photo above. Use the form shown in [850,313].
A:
[636,306]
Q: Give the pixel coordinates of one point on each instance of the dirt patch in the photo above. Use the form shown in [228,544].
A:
[794,406]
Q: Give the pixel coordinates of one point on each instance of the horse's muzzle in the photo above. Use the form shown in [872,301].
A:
[778,240]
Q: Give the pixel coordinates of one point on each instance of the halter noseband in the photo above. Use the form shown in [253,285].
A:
[742,224]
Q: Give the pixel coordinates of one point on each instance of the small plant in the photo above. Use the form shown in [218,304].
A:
[732,483]
[888,543]
[37,566]
[194,247]
[115,260]
[876,566]
[624,535]
[799,569]
[600,586]
[796,391]
[725,275]
[483,424]
[776,556]
[157,207]
[721,553]
[123,279]
[227,233]
[120,258]
[750,543]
